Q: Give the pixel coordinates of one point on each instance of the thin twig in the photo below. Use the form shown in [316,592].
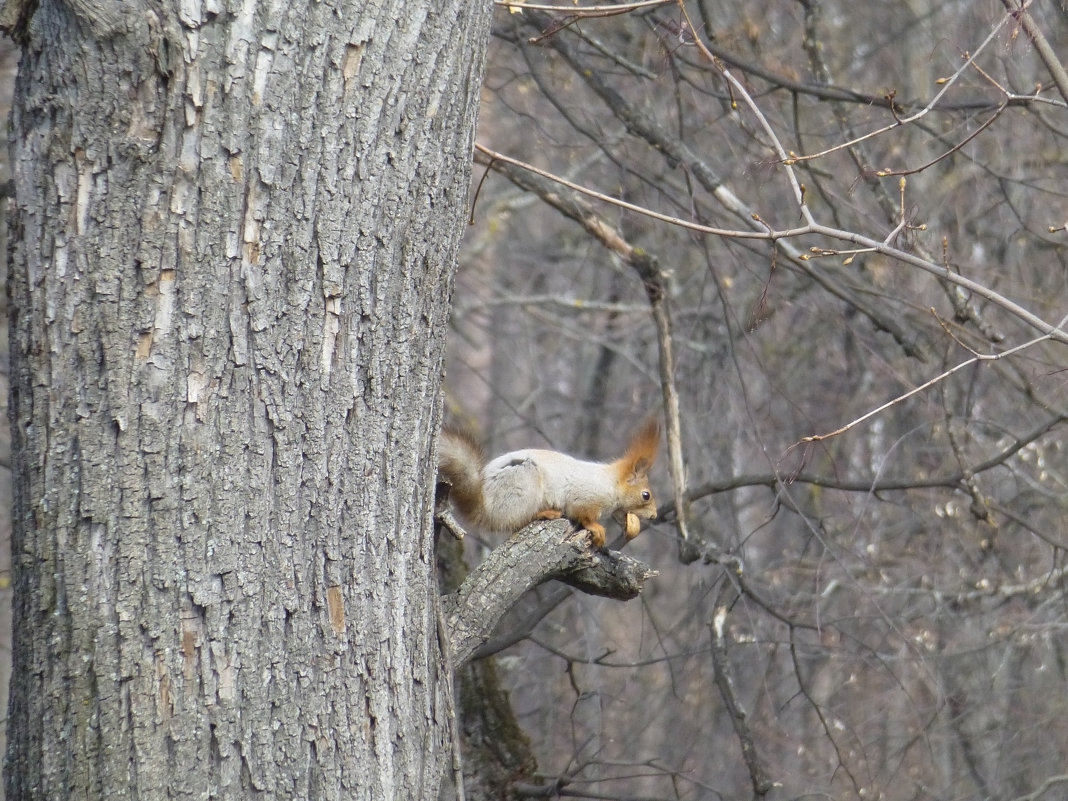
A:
[946,84]
[734,233]
[977,357]
[1042,46]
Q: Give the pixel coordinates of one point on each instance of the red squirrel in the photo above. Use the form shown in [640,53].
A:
[516,488]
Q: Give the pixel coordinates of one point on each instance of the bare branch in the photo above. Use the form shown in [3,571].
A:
[1042,46]
[1051,331]
[758,772]
[1043,788]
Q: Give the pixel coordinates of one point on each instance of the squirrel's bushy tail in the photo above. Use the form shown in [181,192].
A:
[460,462]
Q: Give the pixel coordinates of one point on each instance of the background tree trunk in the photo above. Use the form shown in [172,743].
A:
[233,235]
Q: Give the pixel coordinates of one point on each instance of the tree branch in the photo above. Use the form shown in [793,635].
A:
[540,552]
[758,772]
[1042,46]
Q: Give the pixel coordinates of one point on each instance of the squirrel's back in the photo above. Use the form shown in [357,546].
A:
[514,489]
[500,496]
[519,486]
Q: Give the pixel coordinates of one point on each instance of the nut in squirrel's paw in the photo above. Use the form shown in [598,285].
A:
[631,526]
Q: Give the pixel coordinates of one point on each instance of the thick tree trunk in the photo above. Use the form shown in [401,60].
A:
[234,232]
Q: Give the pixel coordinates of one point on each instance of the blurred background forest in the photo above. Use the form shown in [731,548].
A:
[874,612]
[865,197]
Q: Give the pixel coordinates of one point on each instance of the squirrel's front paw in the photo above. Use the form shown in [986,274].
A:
[597,535]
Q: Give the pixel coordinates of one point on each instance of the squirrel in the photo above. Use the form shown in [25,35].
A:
[519,487]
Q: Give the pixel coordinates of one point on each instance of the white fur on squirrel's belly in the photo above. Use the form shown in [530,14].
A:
[520,484]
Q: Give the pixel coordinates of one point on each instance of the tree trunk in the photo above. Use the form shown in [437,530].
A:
[233,240]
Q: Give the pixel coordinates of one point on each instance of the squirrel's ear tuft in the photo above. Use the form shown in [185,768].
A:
[641,452]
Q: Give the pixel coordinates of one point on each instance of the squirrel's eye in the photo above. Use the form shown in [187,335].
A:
[646,495]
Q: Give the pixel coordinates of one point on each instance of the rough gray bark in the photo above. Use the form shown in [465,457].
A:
[496,751]
[233,234]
